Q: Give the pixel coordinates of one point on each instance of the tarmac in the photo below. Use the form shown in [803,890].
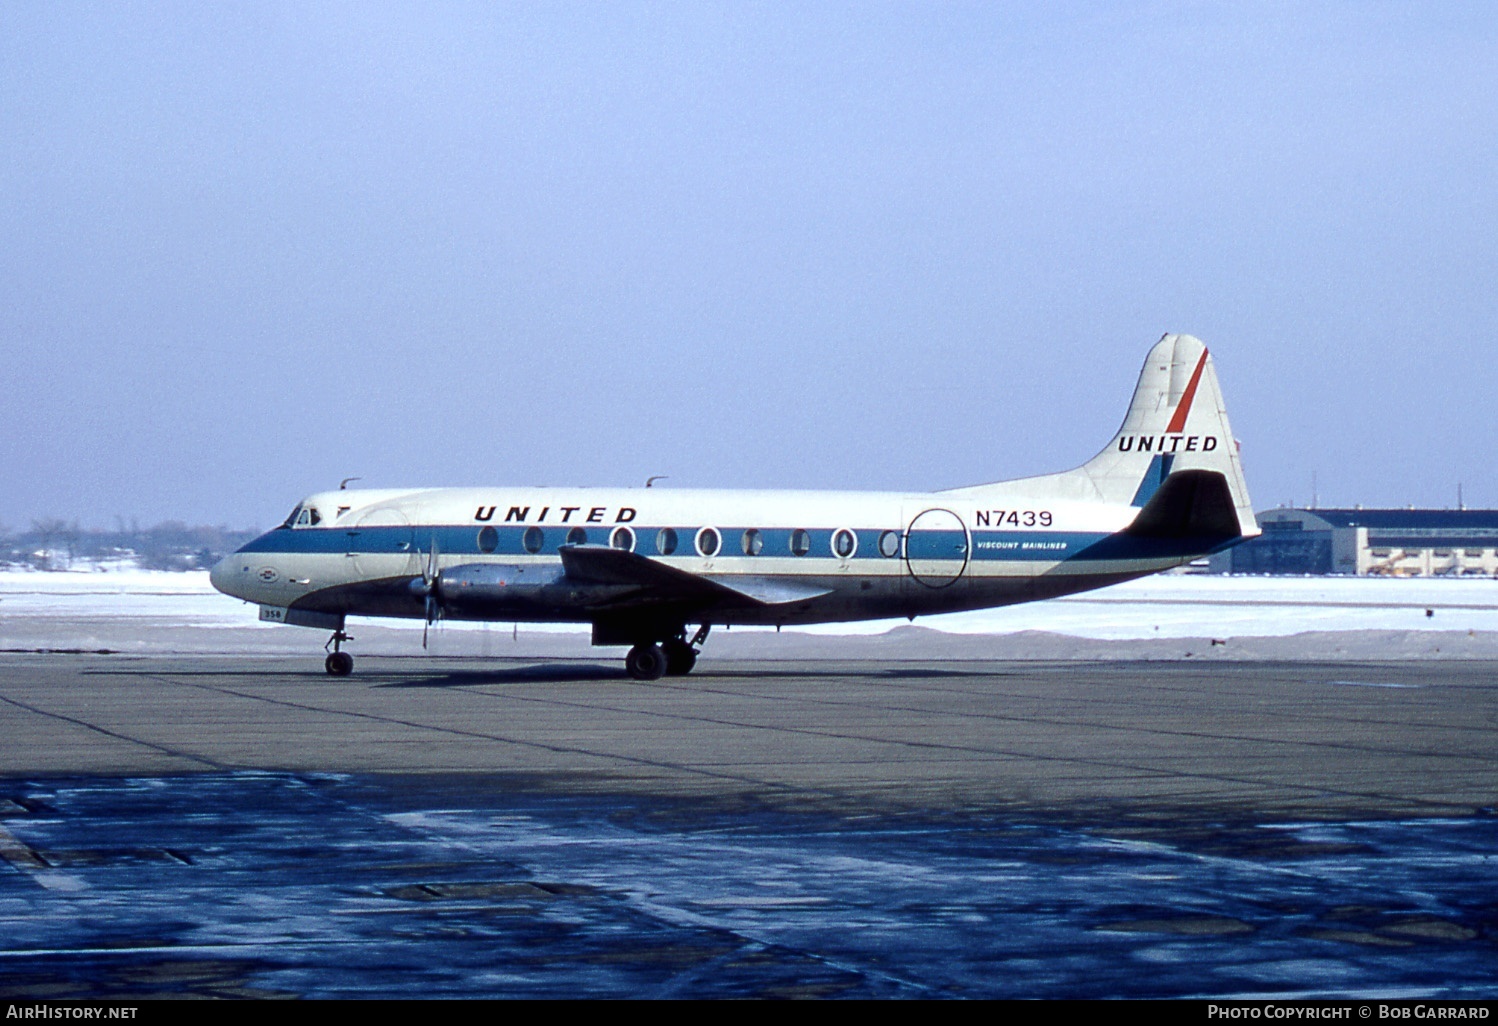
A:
[245,826]
[1247,739]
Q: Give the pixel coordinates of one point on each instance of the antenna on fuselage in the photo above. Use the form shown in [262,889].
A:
[344,483]
[652,479]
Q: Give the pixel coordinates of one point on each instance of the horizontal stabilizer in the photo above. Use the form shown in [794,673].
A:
[600,564]
[1188,504]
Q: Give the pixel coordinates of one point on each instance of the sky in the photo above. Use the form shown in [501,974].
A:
[252,249]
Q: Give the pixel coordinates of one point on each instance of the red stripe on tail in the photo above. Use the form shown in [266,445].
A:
[1178,420]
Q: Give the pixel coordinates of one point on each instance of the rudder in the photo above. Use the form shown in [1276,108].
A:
[1176,421]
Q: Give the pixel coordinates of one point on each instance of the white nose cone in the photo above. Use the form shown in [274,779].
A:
[223,573]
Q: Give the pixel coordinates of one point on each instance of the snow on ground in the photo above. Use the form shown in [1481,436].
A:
[1164,606]
[185,599]
[1195,606]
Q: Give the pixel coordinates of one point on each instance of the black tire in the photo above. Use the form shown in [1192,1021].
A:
[339,664]
[646,662]
[680,658]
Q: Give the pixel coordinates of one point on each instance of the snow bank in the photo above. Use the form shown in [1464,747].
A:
[1164,606]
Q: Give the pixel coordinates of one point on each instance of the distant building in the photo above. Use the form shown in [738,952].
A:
[1370,542]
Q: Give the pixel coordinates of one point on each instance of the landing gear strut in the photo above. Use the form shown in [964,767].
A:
[680,657]
[681,654]
[339,663]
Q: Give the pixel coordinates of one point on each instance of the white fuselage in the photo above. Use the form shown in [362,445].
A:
[876,554]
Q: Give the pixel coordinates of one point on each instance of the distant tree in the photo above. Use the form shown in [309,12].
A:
[52,543]
[46,533]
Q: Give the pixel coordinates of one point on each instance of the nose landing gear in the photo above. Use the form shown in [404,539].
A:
[338,663]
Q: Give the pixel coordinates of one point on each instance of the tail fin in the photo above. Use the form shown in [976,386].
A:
[1176,422]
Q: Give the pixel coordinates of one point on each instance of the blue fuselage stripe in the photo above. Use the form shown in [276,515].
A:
[497,540]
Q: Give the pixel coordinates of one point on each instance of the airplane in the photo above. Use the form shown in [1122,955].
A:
[641,565]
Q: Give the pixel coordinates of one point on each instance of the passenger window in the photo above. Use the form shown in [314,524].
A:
[488,540]
[800,542]
[889,544]
[708,541]
[754,542]
[577,536]
[623,538]
[844,544]
[533,539]
[665,541]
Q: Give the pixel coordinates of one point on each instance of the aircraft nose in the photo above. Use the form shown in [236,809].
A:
[222,574]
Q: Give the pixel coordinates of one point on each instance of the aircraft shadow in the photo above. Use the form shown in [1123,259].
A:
[538,673]
[575,673]
[571,673]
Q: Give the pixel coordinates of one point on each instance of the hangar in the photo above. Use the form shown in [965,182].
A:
[1369,542]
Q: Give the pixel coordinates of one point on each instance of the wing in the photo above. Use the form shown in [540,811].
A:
[599,564]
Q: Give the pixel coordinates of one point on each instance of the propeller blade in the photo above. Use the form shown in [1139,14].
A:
[431,579]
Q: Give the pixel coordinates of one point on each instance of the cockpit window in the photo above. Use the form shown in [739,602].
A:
[303,516]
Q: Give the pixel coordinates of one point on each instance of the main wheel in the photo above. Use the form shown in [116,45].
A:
[680,658]
[339,664]
[646,662]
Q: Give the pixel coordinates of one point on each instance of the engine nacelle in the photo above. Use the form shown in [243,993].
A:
[494,582]
[489,590]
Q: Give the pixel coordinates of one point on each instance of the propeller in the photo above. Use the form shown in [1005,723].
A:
[431,579]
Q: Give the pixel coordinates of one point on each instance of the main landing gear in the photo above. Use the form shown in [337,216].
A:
[339,663]
[673,657]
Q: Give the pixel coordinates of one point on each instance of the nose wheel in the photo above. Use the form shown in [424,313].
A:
[339,663]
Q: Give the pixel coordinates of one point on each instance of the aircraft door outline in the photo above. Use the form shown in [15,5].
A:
[938,547]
